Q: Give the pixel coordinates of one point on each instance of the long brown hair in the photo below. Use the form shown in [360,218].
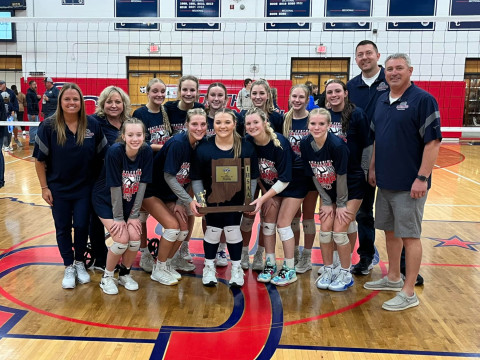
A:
[134,121]
[59,119]
[237,139]
[212,85]
[185,78]
[347,108]
[268,129]
[287,123]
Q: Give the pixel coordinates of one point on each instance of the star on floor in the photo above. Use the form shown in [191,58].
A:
[456,241]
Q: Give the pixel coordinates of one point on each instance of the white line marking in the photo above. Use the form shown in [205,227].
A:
[460,176]
[18,159]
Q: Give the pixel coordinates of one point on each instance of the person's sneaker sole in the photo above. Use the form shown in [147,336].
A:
[303,270]
[291,281]
[388,308]
[210,284]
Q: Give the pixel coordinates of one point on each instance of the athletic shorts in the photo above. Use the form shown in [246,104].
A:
[396,211]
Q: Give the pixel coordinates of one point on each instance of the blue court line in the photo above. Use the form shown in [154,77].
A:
[23,202]
[78,338]
[276,327]
[378,351]
[17,315]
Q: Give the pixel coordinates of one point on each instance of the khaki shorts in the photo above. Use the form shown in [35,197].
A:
[396,211]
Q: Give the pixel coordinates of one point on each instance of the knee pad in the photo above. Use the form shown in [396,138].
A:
[268,229]
[285,233]
[134,245]
[247,224]
[171,234]
[325,237]
[183,235]
[340,238]
[212,235]
[295,225]
[309,227]
[352,228]
[118,248]
[143,216]
[232,234]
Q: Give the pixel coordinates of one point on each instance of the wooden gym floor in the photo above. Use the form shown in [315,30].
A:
[40,320]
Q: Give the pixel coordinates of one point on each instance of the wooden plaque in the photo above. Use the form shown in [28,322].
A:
[226,182]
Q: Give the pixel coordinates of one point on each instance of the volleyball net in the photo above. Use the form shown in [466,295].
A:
[127,52]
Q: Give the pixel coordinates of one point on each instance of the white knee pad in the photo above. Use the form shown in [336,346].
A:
[232,234]
[352,228]
[295,225]
[183,235]
[171,234]
[285,233]
[133,245]
[325,237]
[247,224]
[118,248]
[340,238]
[309,227]
[143,216]
[268,229]
[212,235]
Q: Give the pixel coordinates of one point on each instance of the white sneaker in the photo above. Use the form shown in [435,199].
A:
[174,272]
[185,252]
[209,278]
[342,281]
[221,258]
[245,261]
[257,263]
[18,142]
[7,148]
[108,285]
[324,281]
[81,273]
[128,282]
[179,263]
[304,264]
[163,276]
[336,269]
[236,276]
[147,262]
[68,281]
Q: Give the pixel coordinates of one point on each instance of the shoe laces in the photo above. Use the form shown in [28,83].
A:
[283,272]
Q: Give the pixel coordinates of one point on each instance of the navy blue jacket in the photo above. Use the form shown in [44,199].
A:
[32,102]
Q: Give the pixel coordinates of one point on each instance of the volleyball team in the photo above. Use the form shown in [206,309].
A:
[112,170]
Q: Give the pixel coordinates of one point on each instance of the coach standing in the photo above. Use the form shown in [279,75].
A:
[364,91]
[407,140]
[50,98]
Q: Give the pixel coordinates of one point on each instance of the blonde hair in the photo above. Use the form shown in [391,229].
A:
[237,139]
[106,94]
[166,121]
[129,121]
[269,103]
[268,129]
[193,112]
[287,122]
[59,119]
[320,111]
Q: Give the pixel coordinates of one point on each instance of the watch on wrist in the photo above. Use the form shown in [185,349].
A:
[422,178]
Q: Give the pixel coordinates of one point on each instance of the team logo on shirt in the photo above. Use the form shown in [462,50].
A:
[178,128]
[336,129]
[130,181]
[183,174]
[158,134]
[89,134]
[210,133]
[382,86]
[268,173]
[294,136]
[402,106]
[324,172]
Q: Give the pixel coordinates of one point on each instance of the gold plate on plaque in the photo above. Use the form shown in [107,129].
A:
[226,174]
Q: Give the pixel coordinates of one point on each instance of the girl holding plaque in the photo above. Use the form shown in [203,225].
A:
[226,144]
[117,198]
[325,158]
[167,199]
[295,127]
[284,187]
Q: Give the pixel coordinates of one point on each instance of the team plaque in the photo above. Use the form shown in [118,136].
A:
[227,178]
